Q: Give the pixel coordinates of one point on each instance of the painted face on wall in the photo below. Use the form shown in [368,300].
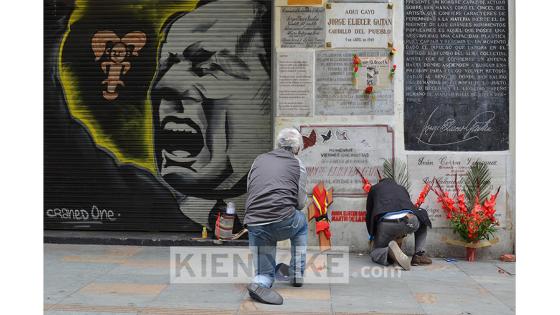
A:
[211,98]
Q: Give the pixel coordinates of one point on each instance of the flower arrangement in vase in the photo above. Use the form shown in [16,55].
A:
[471,211]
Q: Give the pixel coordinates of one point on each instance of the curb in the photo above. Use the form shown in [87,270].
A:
[134,238]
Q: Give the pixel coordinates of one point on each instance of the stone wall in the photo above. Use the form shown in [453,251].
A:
[301,107]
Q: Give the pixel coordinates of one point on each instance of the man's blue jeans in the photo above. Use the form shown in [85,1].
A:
[262,241]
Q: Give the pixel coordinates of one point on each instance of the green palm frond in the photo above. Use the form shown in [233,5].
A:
[477,182]
[396,170]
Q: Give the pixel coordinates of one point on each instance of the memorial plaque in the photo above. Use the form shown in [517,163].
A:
[444,167]
[332,153]
[359,25]
[348,227]
[335,94]
[295,83]
[456,75]
[302,27]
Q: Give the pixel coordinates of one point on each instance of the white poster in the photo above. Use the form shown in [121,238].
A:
[294,83]
[422,167]
[335,94]
[302,27]
[359,25]
[377,72]
[332,154]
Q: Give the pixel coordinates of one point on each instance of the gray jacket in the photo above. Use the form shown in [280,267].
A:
[275,187]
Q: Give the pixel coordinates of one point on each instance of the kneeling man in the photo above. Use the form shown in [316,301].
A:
[391,216]
[275,196]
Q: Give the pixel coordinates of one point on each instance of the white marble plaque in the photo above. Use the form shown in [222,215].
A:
[444,167]
[302,27]
[359,25]
[332,153]
[335,94]
[348,222]
[294,83]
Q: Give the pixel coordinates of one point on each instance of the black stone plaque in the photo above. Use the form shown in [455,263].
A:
[456,75]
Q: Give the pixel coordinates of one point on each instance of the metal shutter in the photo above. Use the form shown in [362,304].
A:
[154,112]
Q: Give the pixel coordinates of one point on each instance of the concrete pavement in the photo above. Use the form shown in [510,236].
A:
[102,279]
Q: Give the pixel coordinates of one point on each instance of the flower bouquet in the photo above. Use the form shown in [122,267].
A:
[471,211]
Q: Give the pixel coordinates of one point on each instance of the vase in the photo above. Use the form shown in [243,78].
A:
[471,254]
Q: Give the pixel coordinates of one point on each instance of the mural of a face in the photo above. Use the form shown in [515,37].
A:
[211,98]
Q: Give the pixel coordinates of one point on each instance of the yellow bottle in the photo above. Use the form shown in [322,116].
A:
[204,232]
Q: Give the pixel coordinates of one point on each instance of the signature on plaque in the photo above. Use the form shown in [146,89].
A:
[469,131]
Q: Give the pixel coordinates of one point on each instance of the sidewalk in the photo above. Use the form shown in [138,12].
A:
[102,279]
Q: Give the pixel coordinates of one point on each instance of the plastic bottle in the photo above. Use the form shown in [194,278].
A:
[230,208]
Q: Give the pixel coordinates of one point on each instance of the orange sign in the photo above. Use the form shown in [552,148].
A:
[305,2]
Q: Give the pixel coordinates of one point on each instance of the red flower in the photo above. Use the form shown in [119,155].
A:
[369,89]
[447,203]
[422,195]
[462,204]
[490,207]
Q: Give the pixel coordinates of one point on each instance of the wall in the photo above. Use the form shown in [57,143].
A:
[351,231]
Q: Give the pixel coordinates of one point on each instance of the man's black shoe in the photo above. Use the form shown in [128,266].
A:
[264,295]
[297,282]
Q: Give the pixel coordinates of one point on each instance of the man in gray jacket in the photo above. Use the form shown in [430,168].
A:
[275,195]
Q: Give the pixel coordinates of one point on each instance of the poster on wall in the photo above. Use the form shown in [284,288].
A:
[334,92]
[332,153]
[302,27]
[358,25]
[119,158]
[377,72]
[422,167]
[456,76]
[294,83]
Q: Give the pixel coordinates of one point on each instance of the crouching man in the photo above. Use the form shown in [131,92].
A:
[391,216]
[275,196]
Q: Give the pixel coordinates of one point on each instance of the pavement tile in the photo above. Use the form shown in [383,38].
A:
[123,288]
[387,304]
[507,297]
[115,294]
[223,296]
[291,305]
[453,303]
[507,267]
[131,309]
[64,278]
[81,313]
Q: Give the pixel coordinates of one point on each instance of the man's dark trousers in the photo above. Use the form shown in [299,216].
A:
[388,231]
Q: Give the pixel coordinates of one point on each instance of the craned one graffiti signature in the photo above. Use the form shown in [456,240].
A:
[95,215]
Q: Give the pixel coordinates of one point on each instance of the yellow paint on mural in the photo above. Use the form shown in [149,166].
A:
[157,12]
